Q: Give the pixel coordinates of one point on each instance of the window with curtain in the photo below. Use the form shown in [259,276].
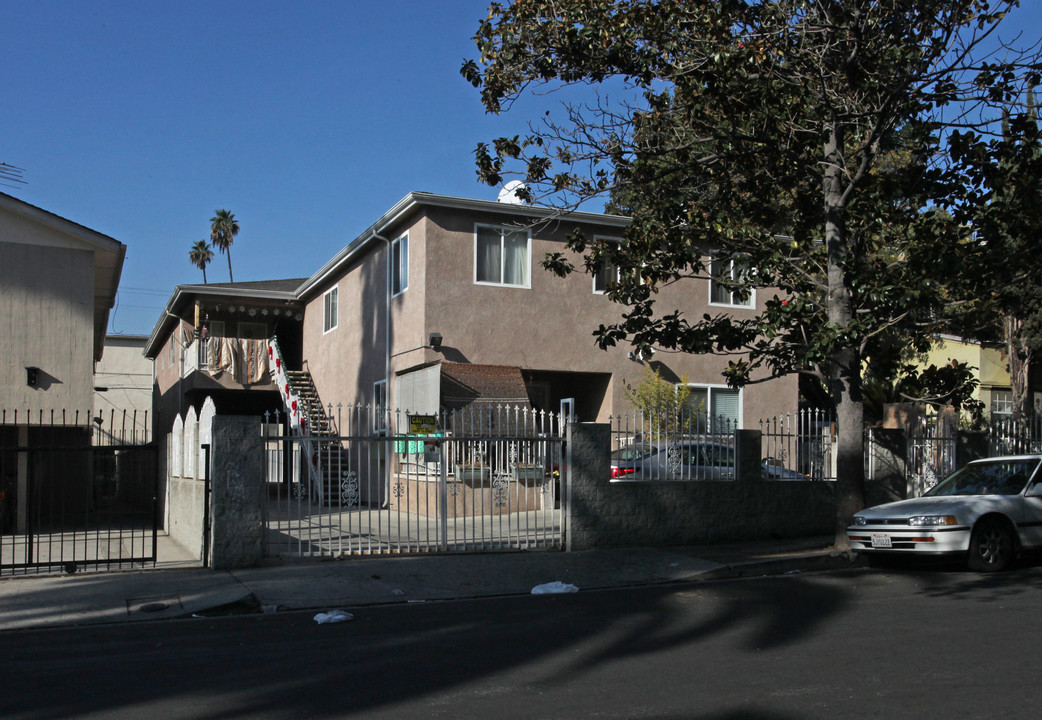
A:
[400,265]
[501,256]
[714,409]
[329,310]
[730,270]
[607,273]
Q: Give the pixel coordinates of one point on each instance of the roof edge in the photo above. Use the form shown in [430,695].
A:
[418,198]
[181,291]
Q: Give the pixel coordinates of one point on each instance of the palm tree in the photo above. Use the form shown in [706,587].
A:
[223,229]
[200,255]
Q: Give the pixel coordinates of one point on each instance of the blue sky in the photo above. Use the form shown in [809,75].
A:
[306,119]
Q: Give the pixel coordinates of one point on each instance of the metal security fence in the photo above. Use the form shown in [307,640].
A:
[1015,437]
[671,444]
[74,498]
[486,478]
[802,443]
[932,447]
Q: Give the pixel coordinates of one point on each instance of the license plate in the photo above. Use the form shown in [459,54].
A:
[881,541]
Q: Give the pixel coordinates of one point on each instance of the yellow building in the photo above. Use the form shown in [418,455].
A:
[988,361]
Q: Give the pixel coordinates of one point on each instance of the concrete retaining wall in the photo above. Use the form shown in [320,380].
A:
[186,509]
[237,492]
[607,514]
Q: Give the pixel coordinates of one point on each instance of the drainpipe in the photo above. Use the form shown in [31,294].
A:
[385,502]
[387,322]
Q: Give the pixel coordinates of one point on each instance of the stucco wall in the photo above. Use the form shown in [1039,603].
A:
[185,513]
[46,321]
[607,514]
[167,398]
[547,327]
[123,390]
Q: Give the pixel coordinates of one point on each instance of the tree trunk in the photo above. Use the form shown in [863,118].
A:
[230,278]
[1019,358]
[850,461]
[844,366]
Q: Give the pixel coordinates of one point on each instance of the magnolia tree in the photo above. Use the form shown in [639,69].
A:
[1002,204]
[797,148]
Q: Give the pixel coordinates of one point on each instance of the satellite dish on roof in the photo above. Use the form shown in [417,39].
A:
[509,193]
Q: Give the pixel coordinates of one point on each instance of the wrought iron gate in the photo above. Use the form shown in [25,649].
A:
[482,481]
[76,506]
[931,456]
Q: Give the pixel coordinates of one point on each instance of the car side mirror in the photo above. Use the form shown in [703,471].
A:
[1035,490]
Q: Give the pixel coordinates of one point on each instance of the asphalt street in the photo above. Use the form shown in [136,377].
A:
[866,643]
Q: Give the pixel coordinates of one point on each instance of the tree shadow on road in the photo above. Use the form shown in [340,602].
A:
[428,655]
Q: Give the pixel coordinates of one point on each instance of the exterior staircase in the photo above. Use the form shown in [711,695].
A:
[327,453]
[320,443]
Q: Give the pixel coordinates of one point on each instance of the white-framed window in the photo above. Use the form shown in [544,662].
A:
[714,408]
[502,256]
[400,265]
[329,310]
[380,410]
[216,328]
[608,272]
[1001,404]
[721,295]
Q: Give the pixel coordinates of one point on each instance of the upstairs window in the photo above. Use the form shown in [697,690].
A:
[400,265]
[502,256]
[329,310]
[730,270]
[606,274]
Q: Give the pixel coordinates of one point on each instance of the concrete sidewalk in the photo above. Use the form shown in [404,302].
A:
[179,587]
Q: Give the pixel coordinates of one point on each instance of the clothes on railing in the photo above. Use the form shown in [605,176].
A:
[246,360]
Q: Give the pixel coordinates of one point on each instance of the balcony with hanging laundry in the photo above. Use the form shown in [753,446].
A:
[230,361]
[212,341]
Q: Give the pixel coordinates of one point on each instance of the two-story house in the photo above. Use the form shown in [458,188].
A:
[438,304]
[212,341]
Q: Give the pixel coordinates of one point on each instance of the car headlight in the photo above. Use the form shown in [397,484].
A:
[932,520]
[858,520]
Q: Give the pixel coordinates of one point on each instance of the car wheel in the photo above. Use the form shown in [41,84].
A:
[991,547]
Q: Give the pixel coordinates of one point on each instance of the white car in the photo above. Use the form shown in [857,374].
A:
[989,510]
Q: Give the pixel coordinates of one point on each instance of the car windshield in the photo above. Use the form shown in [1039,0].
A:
[1000,477]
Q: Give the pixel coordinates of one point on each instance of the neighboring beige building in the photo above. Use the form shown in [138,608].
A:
[123,392]
[58,283]
[445,297]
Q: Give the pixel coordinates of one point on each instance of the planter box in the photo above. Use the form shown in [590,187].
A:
[528,473]
[472,474]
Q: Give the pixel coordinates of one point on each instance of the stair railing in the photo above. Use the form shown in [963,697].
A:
[296,413]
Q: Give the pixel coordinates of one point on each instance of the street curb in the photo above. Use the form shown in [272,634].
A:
[816,562]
